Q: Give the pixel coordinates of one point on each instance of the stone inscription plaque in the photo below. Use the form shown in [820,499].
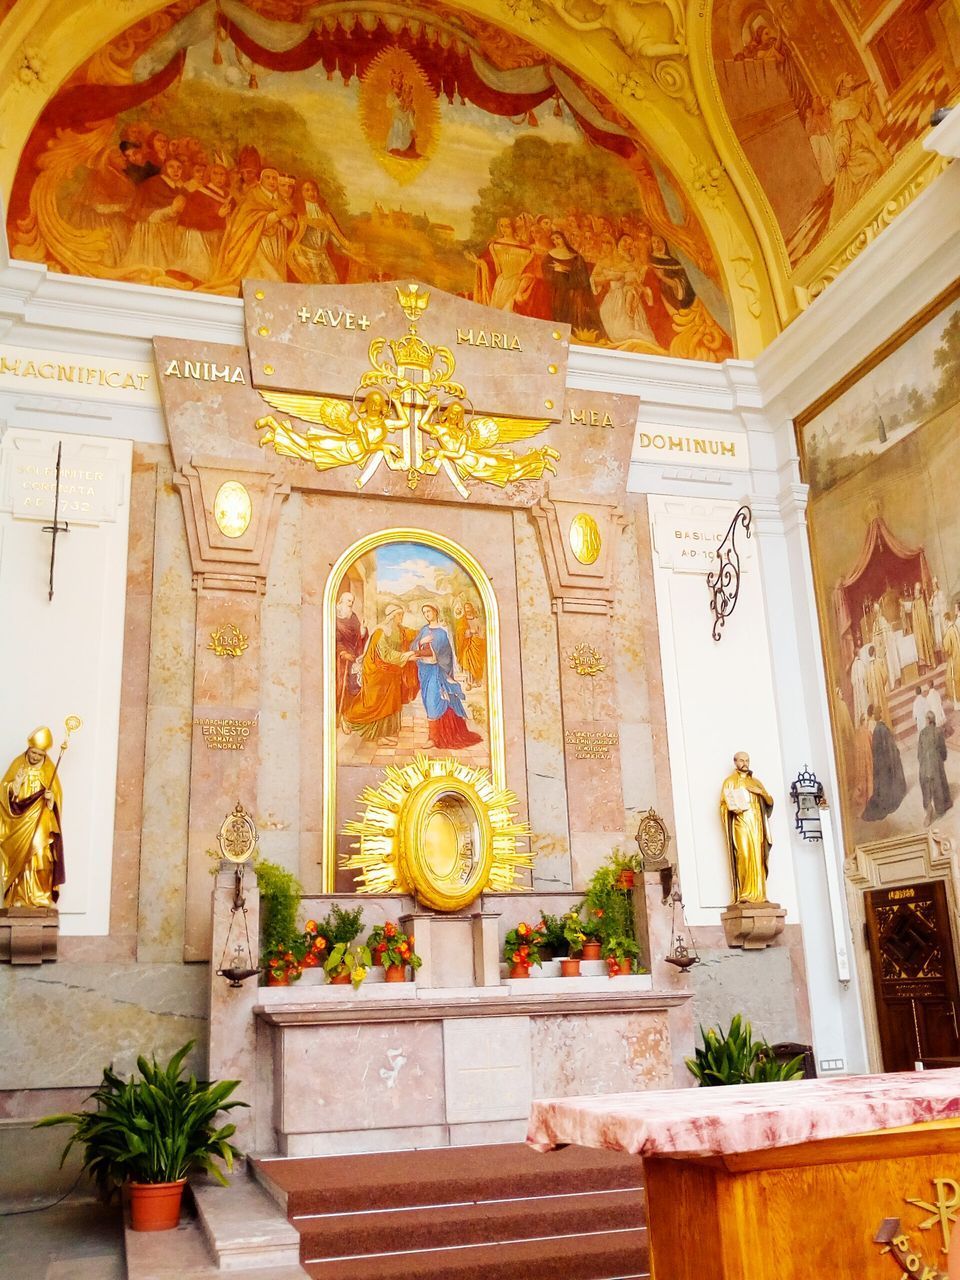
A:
[316,338]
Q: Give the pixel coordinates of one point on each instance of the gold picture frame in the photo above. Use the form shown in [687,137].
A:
[495,726]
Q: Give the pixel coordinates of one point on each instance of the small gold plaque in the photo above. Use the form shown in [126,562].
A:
[232,509]
[585,538]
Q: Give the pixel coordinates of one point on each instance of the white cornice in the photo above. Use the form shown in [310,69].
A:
[944,140]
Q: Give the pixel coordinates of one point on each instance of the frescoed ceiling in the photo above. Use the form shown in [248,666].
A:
[667,179]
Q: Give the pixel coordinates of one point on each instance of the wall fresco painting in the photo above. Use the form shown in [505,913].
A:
[824,95]
[211,143]
[883,462]
[411,651]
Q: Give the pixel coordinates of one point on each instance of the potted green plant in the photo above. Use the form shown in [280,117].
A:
[620,953]
[626,867]
[606,902]
[150,1133]
[521,948]
[341,925]
[735,1057]
[555,944]
[347,962]
[391,947]
[575,937]
[282,945]
[592,937]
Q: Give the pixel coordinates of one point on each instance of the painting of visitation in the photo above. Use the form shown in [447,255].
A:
[411,659]
[883,461]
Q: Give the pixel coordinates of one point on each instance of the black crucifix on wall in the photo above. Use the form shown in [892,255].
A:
[56,527]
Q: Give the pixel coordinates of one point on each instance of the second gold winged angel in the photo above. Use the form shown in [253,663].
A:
[470,447]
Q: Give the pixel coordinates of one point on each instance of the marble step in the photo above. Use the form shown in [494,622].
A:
[243,1226]
[484,1222]
[611,1255]
[439,1176]
[184,1254]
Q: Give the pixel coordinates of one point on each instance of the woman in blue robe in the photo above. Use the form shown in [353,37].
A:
[440,692]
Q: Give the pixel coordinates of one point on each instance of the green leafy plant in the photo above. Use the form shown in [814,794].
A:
[574,931]
[620,860]
[340,925]
[280,894]
[157,1128]
[735,1057]
[621,950]
[612,907]
[346,957]
[522,944]
[555,940]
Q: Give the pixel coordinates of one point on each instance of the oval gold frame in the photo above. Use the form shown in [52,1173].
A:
[233,509]
[423,803]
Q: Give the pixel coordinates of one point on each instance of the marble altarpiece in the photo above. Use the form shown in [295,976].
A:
[417,479]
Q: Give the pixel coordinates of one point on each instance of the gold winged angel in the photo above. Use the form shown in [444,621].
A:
[344,435]
[472,448]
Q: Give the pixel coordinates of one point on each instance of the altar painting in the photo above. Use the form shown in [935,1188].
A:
[213,142]
[823,97]
[412,657]
[883,462]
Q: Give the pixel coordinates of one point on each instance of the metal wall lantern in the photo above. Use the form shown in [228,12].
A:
[807,795]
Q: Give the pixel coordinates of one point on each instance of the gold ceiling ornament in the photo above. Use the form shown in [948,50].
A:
[586,660]
[228,641]
[438,829]
[238,835]
[412,397]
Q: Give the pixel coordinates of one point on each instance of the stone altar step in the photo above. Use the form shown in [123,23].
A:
[439,1175]
[491,1212]
[611,1255]
[480,1222]
[242,1226]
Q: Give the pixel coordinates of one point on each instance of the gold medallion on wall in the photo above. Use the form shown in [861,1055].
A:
[440,830]
[399,114]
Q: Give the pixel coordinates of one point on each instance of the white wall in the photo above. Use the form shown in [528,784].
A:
[63,656]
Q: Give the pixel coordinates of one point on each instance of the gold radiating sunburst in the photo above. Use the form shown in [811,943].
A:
[440,830]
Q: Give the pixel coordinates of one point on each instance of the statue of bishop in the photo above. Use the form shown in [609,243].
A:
[31,845]
[745,807]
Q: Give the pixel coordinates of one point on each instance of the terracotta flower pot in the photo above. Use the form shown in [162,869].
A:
[591,951]
[520,971]
[278,980]
[395,973]
[339,979]
[626,879]
[570,967]
[155,1206]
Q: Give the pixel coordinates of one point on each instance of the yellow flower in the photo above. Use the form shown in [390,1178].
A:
[359,973]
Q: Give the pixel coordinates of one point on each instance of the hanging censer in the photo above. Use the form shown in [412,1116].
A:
[680,955]
[238,843]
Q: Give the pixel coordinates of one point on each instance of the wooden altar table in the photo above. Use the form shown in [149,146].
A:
[810,1178]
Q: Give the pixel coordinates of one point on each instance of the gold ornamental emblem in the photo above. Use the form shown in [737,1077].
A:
[409,415]
[228,641]
[440,830]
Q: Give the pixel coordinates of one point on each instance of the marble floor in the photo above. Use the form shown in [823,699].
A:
[79,1239]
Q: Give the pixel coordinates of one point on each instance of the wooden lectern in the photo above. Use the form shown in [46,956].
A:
[855,1178]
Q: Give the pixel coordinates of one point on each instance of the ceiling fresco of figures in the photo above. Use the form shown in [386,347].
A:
[357,140]
[823,96]
[213,142]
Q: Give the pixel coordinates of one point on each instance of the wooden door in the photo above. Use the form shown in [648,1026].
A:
[914,973]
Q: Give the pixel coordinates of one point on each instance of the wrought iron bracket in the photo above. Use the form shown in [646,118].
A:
[724,582]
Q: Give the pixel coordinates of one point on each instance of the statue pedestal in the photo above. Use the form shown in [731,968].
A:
[28,935]
[753,925]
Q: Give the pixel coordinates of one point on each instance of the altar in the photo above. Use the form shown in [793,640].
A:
[784,1181]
